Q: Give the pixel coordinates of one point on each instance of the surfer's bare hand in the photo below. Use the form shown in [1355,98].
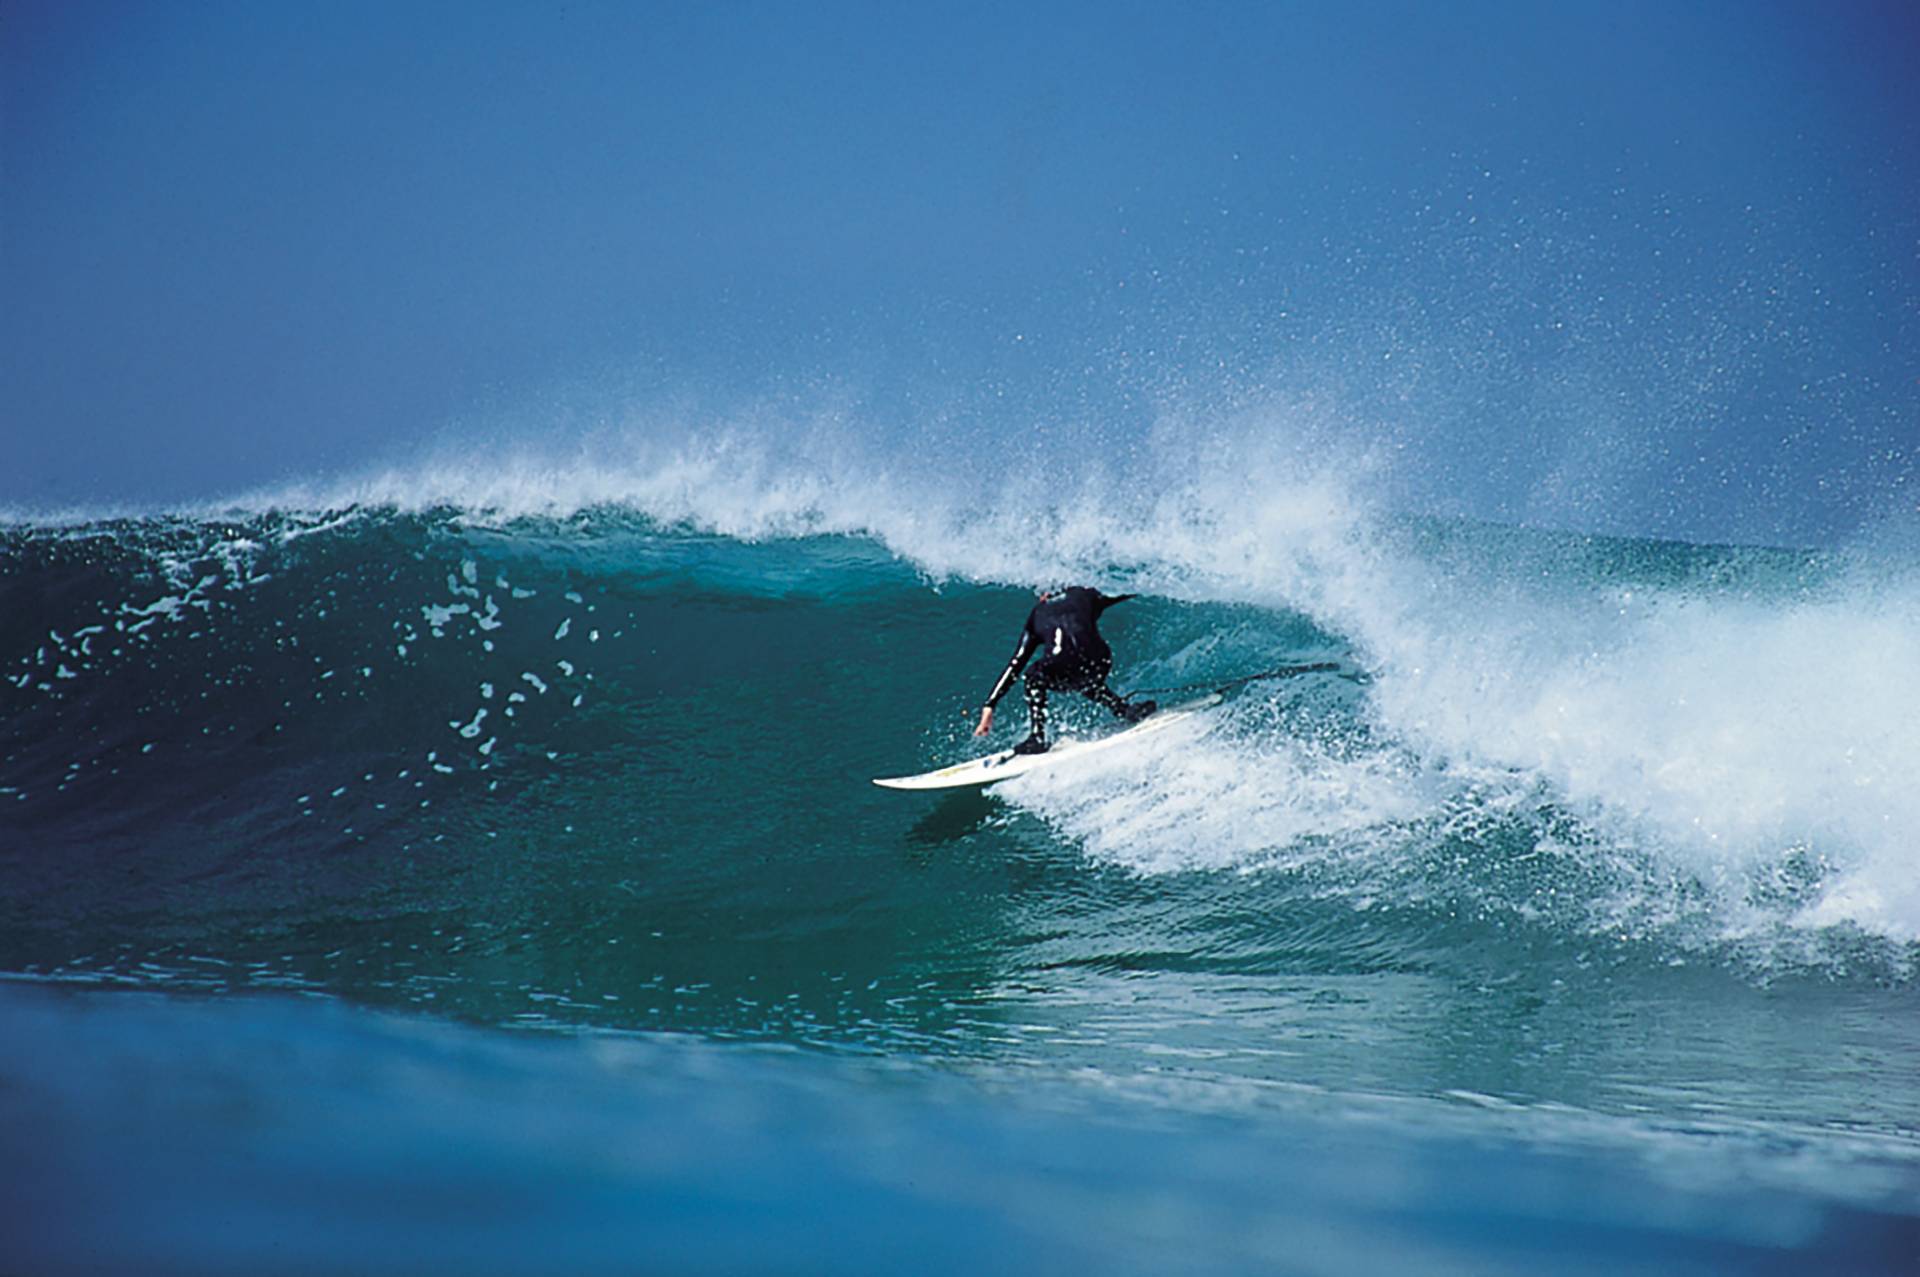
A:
[986,721]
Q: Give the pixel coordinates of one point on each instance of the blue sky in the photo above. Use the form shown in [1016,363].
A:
[1653,267]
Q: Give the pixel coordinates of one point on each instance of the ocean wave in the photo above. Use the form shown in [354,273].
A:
[1710,743]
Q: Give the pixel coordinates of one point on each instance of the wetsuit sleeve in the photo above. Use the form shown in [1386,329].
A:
[1019,660]
[1101,602]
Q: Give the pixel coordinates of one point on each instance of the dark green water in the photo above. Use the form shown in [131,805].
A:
[305,824]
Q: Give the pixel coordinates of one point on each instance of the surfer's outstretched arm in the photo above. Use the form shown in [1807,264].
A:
[1015,664]
[1101,602]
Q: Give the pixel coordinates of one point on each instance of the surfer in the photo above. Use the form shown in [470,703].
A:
[1063,627]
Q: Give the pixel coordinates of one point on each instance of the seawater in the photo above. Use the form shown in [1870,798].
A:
[435,876]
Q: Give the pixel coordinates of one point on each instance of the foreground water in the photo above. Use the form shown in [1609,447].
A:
[248,1135]
[387,891]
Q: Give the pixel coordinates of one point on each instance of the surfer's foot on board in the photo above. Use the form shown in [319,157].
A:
[1139,710]
[1031,745]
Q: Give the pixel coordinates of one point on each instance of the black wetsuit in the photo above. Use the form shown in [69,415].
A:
[1073,658]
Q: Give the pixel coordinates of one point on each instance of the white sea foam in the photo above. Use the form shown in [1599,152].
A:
[1727,736]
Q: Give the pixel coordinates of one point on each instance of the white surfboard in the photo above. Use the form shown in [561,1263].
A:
[1006,764]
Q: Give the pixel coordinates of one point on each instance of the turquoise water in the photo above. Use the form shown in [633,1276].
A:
[406,888]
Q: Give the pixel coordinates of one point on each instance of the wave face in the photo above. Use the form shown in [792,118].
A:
[601,760]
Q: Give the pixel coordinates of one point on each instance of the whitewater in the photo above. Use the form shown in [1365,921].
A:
[1611,857]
